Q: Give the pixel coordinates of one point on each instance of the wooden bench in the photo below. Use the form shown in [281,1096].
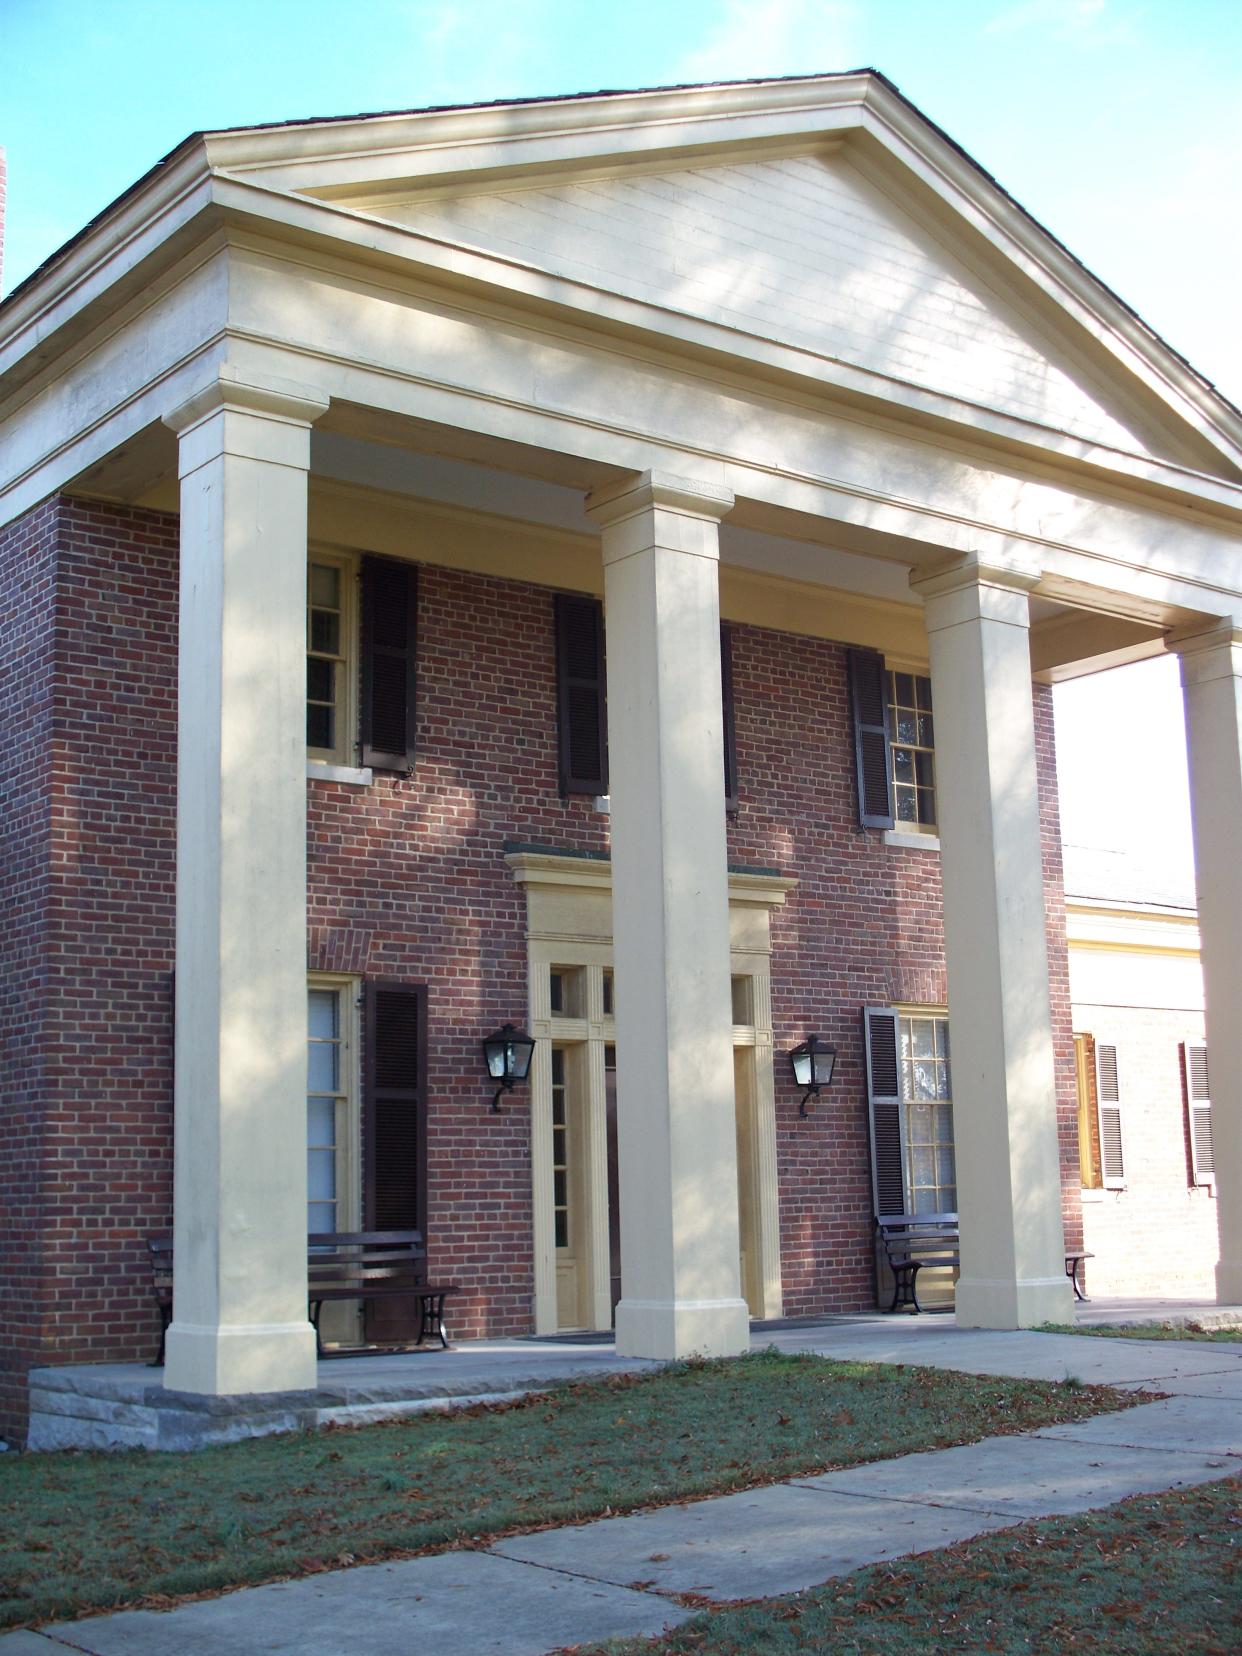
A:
[912,1240]
[370,1265]
[340,1265]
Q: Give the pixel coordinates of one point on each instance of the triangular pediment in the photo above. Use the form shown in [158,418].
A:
[804,250]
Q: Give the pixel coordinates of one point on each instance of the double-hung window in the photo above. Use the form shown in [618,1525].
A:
[909,1084]
[582,699]
[894,745]
[361,661]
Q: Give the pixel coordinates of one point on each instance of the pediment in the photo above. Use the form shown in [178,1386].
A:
[808,251]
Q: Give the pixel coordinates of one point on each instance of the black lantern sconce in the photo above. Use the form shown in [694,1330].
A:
[812,1064]
[507,1054]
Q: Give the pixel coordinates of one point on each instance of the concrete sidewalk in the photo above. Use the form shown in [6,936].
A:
[617,1576]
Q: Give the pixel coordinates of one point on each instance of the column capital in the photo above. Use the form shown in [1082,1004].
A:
[689,496]
[1209,649]
[973,589]
[258,417]
[279,399]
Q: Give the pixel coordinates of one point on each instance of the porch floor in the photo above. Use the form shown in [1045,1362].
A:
[125,1405]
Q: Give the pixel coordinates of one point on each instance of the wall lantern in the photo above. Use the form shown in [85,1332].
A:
[507,1054]
[812,1064]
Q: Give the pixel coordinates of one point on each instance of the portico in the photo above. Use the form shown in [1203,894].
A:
[320,336]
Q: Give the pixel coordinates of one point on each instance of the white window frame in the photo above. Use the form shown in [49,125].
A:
[922,832]
[349,1097]
[344,754]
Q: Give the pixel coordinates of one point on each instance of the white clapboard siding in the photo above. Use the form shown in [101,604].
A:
[801,250]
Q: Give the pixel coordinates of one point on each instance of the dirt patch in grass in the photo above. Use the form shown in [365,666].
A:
[1151,1576]
[1148,1331]
[88,1532]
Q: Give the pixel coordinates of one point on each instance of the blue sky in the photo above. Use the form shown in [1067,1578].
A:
[1118,123]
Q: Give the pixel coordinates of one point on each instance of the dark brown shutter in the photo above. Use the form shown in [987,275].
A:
[1108,1103]
[389,647]
[581,695]
[872,761]
[730,737]
[888,1185]
[395,1106]
[1199,1112]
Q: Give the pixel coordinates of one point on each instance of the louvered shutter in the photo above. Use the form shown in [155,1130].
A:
[872,761]
[730,739]
[394,1106]
[1108,1103]
[389,649]
[394,1133]
[888,1185]
[1199,1112]
[581,693]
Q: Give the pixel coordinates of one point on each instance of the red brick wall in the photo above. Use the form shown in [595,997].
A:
[27,597]
[407,881]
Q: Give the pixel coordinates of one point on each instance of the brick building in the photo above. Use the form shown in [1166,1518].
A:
[595,564]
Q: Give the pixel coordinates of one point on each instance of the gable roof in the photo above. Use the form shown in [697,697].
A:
[364,164]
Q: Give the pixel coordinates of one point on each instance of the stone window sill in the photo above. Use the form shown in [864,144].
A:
[356,777]
[912,842]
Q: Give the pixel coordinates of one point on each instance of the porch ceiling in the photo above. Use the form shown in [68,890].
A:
[415,467]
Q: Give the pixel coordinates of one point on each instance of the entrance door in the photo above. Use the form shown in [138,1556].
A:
[747,1179]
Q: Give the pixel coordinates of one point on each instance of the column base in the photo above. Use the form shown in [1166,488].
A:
[240,1358]
[982,1303]
[671,1329]
[1229,1282]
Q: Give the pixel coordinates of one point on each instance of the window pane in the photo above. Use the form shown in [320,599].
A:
[608,994]
[320,1217]
[557,989]
[560,1189]
[923,1165]
[325,632]
[903,765]
[321,1009]
[922,688]
[319,727]
[320,1174]
[740,990]
[321,1121]
[907,727]
[926,736]
[562,1229]
[946,1171]
[320,679]
[903,689]
[924,1037]
[321,1067]
[325,585]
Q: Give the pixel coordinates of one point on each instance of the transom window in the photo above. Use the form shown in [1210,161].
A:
[927,1095]
[912,743]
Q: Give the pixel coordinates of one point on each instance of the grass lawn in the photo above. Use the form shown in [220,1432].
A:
[84,1532]
[1147,1331]
[1158,1575]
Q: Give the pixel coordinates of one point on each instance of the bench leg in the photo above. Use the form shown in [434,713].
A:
[165,1318]
[1072,1268]
[431,1320]
[904,1290]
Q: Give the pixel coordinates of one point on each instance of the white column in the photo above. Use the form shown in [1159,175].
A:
[240,1320]
[1211,665]
[1004,1090]
[676,1127]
